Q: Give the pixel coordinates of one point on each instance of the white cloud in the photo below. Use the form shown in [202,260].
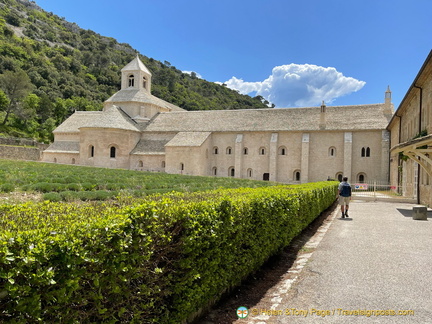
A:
[299,85]
[196,74]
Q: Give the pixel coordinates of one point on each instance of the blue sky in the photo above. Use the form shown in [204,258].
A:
[293,53]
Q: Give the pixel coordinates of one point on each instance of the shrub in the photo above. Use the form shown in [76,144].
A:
[158,261]
[7,187]
[52,196]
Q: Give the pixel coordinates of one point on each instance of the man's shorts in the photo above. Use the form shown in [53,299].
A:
[344,200]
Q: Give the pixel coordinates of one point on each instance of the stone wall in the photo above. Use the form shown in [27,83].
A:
[21,149]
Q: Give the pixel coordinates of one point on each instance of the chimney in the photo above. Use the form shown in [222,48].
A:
[322,124]
[388,106]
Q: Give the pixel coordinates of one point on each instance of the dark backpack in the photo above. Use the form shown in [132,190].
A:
[346,190]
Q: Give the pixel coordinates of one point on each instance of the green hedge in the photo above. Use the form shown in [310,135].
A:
[158,261]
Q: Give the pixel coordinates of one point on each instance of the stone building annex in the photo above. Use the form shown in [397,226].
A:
[138,131]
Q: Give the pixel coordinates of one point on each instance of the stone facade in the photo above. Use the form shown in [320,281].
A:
[410,164]
[139,131]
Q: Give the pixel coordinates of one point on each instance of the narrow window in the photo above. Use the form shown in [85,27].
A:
[145,83]
[140,164]
[214,171]
[231,172]
[297,175]
[367,152]
[91,153]
[163,164]
[131,80]
[262,151]
[181,166]
[73,161]
[363,152]
[245,151]
[249,173]
[215,150]
[332,151]
[229,150]
[112,152]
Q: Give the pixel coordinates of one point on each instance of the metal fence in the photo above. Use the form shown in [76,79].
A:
[376,190]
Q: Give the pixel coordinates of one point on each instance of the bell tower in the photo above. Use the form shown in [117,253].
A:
[135,76]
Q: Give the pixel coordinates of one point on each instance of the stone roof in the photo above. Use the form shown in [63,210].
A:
[348,118]
[63,147]
[140,95]
[113,117]
[189,139]
[150,147]
[135,65]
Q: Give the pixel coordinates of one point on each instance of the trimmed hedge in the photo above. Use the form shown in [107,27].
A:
[159,261]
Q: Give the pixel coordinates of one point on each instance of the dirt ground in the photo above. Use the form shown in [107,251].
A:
[255,287]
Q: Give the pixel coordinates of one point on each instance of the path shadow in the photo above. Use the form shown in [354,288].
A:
[254,288]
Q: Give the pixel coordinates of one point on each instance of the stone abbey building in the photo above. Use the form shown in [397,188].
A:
[139,131]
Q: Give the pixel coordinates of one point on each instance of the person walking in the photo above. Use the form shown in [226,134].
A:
[344,193]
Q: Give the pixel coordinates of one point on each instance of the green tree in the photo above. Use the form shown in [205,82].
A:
[16,85]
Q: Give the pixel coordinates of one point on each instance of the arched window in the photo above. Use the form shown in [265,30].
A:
[231,172]
[112,152]
[249,173]
[361,178]
[214,171]
[332,151]
[296,175]
[140,164]
[245,151]
[229,150]
[145,83]
[215,150]
[282,150]
[365,151]
[91,151]
[182,166]
[131,80]
[262,151]
[339,176]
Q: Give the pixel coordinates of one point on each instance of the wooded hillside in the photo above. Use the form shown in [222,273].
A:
[50,67]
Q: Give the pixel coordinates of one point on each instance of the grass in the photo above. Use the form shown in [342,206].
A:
[58,182]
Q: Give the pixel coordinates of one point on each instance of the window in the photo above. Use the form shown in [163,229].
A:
[332,151]
[365,152]
[112,152]
[214,171]
[131,79]
[339,176]
[282,150]
[245,151]
[145,82]
[163,164]
[231,172]
[249,173]
[182,166]
[262,151]
[266,176]
[361,178]
[297,175]
[91,151]
[229,150]
[140,164]
[215,150]
[73,161]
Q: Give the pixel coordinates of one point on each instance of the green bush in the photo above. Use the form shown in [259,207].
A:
[7,187]
[158,261]
[52,196]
